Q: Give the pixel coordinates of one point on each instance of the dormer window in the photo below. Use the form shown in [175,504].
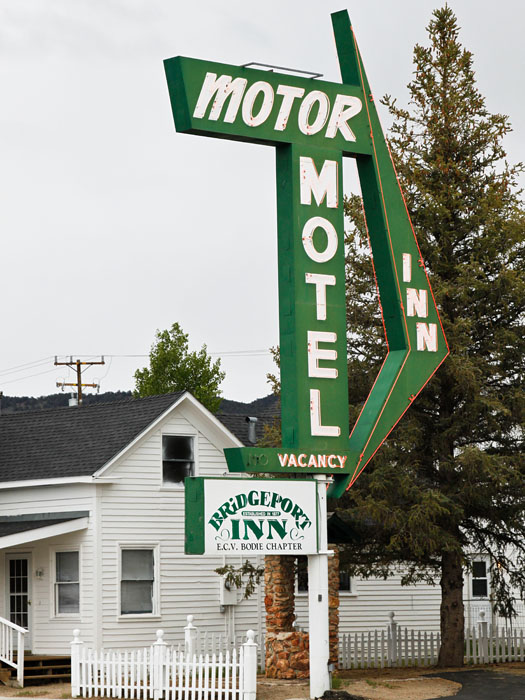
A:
[178,459]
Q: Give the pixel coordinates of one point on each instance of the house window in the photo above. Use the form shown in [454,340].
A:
[302,575]
[137,581]
[345,581]
[67,583]
[480,583]
[177,458]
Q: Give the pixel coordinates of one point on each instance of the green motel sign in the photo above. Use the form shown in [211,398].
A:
[313,124]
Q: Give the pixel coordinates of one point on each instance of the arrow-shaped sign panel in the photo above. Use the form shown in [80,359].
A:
[414,334]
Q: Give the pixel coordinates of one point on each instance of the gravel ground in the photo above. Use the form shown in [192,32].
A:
[372,688]
[388,684]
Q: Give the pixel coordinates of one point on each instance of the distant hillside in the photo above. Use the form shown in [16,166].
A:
[13,404]
[267,405]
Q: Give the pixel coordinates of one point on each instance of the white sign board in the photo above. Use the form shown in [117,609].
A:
[265,516]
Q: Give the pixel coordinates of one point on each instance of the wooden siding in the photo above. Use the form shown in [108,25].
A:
[51,633]
[368,606]
[137,510]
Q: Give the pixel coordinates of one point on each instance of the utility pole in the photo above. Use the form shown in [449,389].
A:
[76,365]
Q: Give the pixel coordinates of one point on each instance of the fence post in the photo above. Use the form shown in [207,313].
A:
[159,654]
[250,667]
[75,663]
[484,637]
[393,639]
[190,638]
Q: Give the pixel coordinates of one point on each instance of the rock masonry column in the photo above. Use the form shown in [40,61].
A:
[286,648]
[333,605]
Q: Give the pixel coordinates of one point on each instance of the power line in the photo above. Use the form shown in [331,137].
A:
[29,376]
[25,366]
[229,353]
[240,353]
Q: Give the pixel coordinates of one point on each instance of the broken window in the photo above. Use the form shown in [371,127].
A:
[178,460]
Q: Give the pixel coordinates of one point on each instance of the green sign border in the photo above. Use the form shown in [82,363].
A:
[194,536]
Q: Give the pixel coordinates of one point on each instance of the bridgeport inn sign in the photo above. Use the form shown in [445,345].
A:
[313,124]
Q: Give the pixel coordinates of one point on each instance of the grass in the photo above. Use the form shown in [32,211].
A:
[377,684]
[336,683]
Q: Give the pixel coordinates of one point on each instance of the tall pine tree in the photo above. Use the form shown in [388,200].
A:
[450,481]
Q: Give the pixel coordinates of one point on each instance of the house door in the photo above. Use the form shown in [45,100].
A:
[19,593]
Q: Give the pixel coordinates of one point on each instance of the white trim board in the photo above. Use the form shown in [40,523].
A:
[41,533]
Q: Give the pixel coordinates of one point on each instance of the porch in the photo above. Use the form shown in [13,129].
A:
[38,669]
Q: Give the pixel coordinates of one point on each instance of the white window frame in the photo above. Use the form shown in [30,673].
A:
[155,548]
[53,598]
[352,593]
[300,594]
[485,561]
[188,434]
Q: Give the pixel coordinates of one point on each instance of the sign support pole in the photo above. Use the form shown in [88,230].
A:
[318,622]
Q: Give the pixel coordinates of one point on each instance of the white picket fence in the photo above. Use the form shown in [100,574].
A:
[165,672]
[487,644]
[396,646]
[389,647]
[12,647]
[213,643]
[476,611]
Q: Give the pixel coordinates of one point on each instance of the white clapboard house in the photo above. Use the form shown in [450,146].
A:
[92,531]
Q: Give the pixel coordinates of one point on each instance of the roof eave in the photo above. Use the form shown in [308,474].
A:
[29,483]
[43,533]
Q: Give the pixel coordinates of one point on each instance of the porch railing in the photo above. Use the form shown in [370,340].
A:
[11,641]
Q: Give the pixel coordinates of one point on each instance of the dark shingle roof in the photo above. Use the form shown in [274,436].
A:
[73,441]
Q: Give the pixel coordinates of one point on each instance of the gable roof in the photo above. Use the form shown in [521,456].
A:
[237,424]
[73,441]
[78,441]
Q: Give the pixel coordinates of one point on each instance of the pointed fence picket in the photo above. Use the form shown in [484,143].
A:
[165,672]
[213,643]
[396,646]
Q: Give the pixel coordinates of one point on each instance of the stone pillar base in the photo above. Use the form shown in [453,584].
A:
[333,605]
[287,655]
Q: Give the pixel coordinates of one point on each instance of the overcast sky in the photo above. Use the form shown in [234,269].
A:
[113,225]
